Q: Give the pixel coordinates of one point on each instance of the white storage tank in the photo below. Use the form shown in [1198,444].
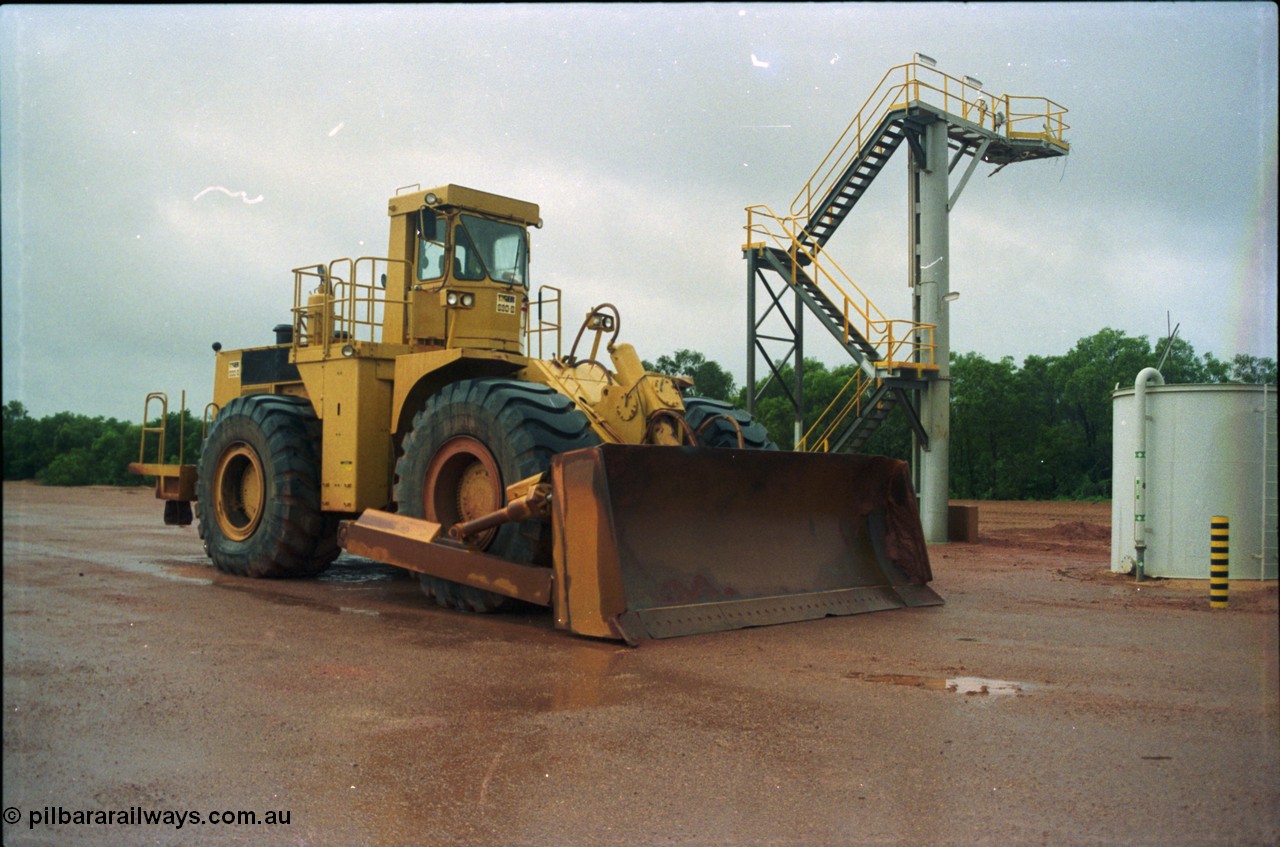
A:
[1209,450]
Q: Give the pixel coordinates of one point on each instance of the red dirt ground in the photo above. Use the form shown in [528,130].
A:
[1047,702]
[1007,530]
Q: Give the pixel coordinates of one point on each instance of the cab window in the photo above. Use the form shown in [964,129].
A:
[492,248]
[431,230]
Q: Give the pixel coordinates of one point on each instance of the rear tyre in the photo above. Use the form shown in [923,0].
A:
[468,443]
[259,490]
[720,432]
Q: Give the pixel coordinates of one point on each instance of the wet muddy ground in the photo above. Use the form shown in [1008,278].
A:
[1048,702]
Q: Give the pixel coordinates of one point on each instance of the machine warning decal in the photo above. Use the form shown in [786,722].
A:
[506,304]
[233,370]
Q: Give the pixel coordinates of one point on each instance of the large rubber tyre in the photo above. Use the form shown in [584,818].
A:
[258,493]
[721,433]
[468,443]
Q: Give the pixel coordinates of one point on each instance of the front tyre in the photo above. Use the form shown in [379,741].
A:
[468,443]
[258,490]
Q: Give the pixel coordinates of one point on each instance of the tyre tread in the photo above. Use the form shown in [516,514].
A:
[721,433]
[301,539]
[536,421]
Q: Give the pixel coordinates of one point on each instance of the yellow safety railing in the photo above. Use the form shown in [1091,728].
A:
[901,343]
[549,298]
[1039,118]
[158,431]
[1010,116]
[848,401]
[353,307]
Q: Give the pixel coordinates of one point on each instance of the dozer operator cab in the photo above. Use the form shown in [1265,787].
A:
[465,276]
[480,249]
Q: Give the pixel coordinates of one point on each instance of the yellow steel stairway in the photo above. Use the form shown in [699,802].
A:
[893,356]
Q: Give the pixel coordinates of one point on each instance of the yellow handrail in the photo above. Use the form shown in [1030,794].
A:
[903,344]
[352,310]
[154,430]
[544,325]
[160,430]
[853,405]
[1005,114]
[915,344]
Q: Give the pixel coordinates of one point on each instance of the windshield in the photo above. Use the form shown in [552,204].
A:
[498,250]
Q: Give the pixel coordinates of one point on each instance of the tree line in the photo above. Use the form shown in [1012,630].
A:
[1036,431]
[70,449]
[1040,430]
[1043,430]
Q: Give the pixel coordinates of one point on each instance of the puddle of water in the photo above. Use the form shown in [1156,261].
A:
[968,685]
[355,570]
[978,685]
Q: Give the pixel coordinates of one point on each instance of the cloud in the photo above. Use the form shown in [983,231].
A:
[140,145]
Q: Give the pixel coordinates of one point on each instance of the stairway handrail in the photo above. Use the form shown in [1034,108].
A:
[959,97]
[853,404]
[879,329]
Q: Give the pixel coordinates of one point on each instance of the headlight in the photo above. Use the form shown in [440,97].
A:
[348,350]
[452,298]
[431,199]
[468,300]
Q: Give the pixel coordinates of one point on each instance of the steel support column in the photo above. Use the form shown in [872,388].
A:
[933,283]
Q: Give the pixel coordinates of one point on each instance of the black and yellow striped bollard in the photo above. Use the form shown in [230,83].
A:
[1219,530]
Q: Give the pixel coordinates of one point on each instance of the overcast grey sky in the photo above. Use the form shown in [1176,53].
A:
[642,131]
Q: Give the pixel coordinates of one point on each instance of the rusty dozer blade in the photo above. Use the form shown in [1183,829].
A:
[652,542]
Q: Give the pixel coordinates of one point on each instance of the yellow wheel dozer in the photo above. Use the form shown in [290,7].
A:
[652,542]
[403,415]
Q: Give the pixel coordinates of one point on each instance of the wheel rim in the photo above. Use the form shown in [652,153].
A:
[240,489]
[463,483]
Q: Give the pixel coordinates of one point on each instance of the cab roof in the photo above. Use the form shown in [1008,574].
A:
[461,197]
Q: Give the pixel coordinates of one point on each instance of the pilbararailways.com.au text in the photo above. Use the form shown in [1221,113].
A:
[138,816]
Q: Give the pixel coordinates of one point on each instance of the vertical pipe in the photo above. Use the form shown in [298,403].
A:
[751,321]
[933,286]
[1262,501]
[1145,376]
[1219,561]
[799,312]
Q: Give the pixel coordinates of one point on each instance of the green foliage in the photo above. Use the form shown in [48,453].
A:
[1251,370]
[775,408]
[709,379]
[71,449]
[987,430]
[1040,431]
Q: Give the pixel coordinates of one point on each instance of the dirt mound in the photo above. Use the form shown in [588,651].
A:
[1074,535]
